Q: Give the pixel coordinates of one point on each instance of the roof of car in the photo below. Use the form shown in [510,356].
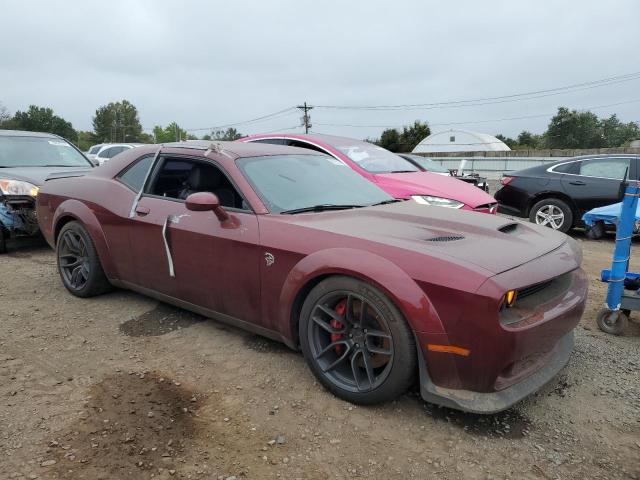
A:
[318,137]
[24,133]
[241,149]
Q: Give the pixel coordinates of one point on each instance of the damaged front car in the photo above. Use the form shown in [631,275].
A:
[27,159]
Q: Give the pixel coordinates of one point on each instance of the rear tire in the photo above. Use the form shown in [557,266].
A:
[350,324]
[78,262]
[553,213]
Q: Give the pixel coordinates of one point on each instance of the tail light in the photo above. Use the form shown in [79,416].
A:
[506,180]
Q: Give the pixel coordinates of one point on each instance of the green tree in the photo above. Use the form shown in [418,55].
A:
[573,129]
[390,139]
[509,142]
[85,140]
[616,133]
[228,135]
[170,133]
[41,119]
[413,135]
[117,122]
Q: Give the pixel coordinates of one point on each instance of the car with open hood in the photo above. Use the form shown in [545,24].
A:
[294,245]
[392,173]
[26,160]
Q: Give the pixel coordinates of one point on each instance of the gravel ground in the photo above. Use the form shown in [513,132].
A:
[123,387]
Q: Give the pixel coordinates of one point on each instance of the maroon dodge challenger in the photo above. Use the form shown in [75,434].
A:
[295,246]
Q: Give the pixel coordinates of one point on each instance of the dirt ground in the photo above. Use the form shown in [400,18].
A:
[122,387]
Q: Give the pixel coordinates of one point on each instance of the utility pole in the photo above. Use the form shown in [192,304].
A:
[306,118]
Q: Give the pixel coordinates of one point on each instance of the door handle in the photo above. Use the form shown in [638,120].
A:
[167,249]
[577,182]
[142,211]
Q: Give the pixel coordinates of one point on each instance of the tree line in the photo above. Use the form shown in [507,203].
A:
[118,122]
[115,122]
[568,129]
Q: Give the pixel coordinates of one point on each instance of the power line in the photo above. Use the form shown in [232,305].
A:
[523,117]
[498,99]
[244,122]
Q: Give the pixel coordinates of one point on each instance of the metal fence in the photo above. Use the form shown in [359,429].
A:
[492,167]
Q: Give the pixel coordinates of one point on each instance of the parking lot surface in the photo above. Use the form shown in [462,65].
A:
[121,386]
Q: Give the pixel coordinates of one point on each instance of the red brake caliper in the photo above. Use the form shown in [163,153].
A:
[340,308]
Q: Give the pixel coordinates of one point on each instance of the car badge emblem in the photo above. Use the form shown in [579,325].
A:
[269,258]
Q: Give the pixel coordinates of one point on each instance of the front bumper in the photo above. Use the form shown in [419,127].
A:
[492,402]
[18,215]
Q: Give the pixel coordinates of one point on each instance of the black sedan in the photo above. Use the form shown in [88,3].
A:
[556,195]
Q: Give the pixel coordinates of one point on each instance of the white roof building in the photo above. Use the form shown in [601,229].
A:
[460,141]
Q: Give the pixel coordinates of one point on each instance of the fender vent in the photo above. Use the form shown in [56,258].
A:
[508,228]
[450,238]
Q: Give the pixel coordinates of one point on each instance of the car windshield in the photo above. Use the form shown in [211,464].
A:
[39,152]
[95,149]
[376,159]
[428,165]
[290,182]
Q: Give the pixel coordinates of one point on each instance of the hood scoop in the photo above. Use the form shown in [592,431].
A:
[445,238]
[509,228]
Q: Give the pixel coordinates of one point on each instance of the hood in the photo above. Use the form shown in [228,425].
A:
[402,185]
[37,175]
[493,243]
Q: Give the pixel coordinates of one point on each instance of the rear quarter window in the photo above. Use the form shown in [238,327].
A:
[565,167]
[135,175]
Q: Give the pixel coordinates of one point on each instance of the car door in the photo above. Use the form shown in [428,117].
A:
[193,256]
[595,182]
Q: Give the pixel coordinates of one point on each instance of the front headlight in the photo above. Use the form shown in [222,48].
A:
[437,201]
[18,187]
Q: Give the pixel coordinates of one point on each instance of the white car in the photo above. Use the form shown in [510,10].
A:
[110,150]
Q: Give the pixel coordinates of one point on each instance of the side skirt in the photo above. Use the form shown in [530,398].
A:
[205,312]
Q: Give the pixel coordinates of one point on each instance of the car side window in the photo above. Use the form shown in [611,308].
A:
[272,141]
[107,152]
[177,178]
[308,146]
[570,167]
[614,168]
[134,176]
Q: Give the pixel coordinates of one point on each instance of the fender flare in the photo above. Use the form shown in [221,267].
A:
[78,211]
[402,290]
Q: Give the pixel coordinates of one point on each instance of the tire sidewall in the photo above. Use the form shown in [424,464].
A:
[95,269]
[403,368]
[562,205]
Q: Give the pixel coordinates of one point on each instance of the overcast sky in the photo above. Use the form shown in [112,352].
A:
[207,63]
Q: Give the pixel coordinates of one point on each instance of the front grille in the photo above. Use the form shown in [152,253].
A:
[530,298]
[525,292]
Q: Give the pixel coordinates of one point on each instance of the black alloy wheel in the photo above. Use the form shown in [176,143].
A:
[356,342]
[78,262]
[73,260]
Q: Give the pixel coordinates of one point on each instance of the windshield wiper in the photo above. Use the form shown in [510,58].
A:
[320,208]
[385,202]
[403,171]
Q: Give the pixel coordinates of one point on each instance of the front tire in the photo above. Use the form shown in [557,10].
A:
[553,213]
[78,262]
[356,342]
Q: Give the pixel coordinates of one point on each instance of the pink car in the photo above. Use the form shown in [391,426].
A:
[391,173]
